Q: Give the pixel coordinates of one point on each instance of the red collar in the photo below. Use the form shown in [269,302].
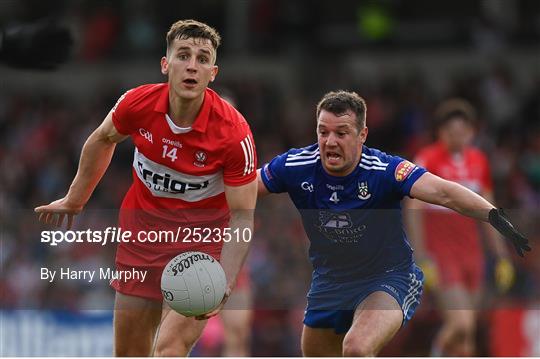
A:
[201,122]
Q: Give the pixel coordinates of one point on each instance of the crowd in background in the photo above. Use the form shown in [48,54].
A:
[42,132]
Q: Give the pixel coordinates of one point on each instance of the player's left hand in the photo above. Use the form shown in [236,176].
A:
[501,223]
[505,275]
[218,308]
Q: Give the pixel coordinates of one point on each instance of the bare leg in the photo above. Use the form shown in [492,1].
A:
[177,334]
[457,334]
[237,324]
[135,323]
[376,320]
[321,342]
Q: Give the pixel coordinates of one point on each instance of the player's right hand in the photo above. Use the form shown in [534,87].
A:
[56,211]
[215,312]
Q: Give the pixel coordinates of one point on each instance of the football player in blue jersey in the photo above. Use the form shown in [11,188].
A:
[365,284]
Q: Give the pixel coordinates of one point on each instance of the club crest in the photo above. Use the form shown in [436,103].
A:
[363,191]
[200,158]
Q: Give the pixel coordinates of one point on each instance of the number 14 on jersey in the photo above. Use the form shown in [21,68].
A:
[171,154]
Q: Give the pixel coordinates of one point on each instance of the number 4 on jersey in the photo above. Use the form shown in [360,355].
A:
[334,198]
[171,154]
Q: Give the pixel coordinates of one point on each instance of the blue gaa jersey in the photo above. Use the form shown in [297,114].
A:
[353,222]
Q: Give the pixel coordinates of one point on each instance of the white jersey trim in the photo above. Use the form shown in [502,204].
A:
[412,294]
[373,163]
[304,153]
[293,164]
[302,158]
[249,155]
[174,128]
[165,182]
[361,165]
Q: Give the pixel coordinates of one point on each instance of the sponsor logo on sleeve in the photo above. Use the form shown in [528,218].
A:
[403,170]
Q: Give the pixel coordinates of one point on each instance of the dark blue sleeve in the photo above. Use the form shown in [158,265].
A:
[274,176]
[402,174]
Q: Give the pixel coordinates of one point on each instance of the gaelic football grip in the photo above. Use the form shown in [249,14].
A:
[499,220]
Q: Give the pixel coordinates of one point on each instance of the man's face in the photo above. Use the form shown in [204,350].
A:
[457,133]
[190,66]
[340,142]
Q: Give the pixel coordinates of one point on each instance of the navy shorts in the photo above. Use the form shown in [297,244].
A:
[332,304]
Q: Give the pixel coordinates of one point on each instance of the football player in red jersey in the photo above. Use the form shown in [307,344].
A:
[448,244]
[193,151]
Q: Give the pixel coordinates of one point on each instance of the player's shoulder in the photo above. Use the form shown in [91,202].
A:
[302,157]
[377,163]
[375,159]
[224,113]
[296,159]
[144,95]
[303,151]
[146,91]
[386,165]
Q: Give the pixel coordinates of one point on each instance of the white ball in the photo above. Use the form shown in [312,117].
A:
[193,283]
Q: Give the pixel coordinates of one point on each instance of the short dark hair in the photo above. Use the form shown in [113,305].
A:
[339,102]
[455,108]
[186,29]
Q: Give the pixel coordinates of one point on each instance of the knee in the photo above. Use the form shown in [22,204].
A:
[356,347]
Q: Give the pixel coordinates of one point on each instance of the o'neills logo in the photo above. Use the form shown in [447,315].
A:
[185,263]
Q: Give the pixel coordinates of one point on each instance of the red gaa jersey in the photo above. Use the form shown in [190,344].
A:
[179,174]
[470,169]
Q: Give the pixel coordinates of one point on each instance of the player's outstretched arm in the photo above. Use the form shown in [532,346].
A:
[433,189]
[95,158]
[241,201]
